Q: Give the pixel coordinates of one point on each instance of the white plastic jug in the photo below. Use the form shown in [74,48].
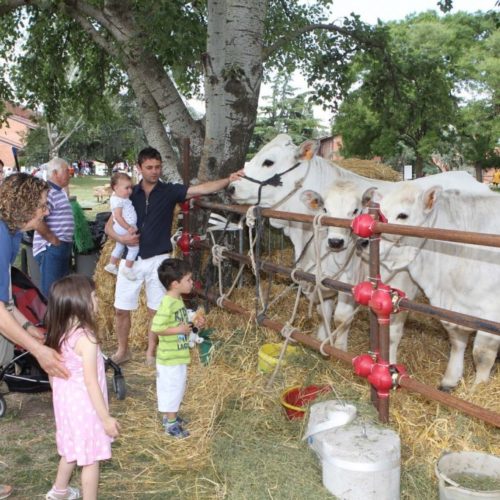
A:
[359,460]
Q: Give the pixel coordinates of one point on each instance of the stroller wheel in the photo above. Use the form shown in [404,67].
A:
[3,406]
[119,386]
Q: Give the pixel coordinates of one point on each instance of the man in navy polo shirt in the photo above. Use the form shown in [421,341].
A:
[154,202]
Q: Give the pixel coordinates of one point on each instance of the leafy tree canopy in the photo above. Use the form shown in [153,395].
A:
[442,73]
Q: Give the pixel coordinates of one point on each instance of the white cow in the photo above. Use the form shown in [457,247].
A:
[345,199]
[279,173]
[453,276]
[293,169]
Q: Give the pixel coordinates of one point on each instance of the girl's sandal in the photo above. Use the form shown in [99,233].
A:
[70,494]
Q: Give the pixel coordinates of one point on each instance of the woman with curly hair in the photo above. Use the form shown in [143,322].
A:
[23,204]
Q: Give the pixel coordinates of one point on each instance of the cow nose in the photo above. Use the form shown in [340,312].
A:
[335,243]
[230,190]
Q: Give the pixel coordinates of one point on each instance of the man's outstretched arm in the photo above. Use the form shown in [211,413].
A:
[213,186]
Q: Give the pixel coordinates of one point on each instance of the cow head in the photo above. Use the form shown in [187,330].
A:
[344,200]
[408,205]
[271,164]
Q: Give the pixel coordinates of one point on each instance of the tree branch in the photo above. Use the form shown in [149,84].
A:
[65,137]
[97,37]
[9,5]
[289,37]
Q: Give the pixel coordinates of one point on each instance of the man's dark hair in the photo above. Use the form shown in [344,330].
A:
[172,270]
[148,153]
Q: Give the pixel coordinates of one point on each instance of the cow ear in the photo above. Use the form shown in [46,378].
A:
[312,200]
[308,149]
[371,194]
[430,198]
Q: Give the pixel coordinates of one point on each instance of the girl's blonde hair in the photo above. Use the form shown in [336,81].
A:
[70,305]
[117,177]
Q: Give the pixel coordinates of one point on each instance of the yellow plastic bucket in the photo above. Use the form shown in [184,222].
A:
[269,354]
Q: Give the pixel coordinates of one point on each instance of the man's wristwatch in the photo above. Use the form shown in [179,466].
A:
[27,324]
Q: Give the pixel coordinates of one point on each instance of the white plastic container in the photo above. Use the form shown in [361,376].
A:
[360,461]
[453,468]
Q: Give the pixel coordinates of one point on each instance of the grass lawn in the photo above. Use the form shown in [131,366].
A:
[83,189]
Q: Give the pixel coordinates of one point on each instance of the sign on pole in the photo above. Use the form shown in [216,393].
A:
[407,172]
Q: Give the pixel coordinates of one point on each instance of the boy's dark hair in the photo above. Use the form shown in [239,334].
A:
[172,270]
[115,178]
[148,153]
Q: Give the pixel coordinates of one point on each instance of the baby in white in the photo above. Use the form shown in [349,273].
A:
[124,221]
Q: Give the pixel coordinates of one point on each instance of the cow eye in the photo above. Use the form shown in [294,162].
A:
[402,216]
[268,163]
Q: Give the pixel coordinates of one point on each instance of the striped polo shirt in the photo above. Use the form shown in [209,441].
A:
[172,349]
[60,219]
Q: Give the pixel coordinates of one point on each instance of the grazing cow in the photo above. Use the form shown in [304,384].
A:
[453,276]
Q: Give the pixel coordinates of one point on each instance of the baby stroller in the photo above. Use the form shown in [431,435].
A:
[23,373]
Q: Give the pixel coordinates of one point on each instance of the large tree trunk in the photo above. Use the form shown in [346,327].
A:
[233,73]
[153,127]
[142,65]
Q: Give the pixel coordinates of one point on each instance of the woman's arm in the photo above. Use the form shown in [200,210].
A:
[50,360]
[87,349]
[35,332]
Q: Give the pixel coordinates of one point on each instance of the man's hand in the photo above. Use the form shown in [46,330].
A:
[236,176]
[52,362]
[130,240]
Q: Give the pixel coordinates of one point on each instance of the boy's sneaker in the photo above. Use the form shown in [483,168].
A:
[179,420]
[129,273]
[175,430]
[111,268]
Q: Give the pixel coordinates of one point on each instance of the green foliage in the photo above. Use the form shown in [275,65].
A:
[323,55]
[415,98]
[286,113]
[83,237]
[111,136]
[58,66]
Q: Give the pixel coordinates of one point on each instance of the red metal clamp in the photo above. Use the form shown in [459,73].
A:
[186,240]
[363,225]
[383,300]
[381,375]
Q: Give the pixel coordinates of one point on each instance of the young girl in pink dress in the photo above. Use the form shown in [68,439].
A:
[84,427]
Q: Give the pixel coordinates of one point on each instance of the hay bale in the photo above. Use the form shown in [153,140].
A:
[369,168]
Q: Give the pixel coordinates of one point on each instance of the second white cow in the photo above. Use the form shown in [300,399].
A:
[459,277]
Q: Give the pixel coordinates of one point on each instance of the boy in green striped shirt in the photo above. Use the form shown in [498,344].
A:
[171,324]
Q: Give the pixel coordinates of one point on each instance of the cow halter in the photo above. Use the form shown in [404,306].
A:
[275,181]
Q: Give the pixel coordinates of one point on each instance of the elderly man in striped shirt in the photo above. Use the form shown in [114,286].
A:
[53,238]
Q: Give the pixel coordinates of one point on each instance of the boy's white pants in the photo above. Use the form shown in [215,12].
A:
[170,387]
